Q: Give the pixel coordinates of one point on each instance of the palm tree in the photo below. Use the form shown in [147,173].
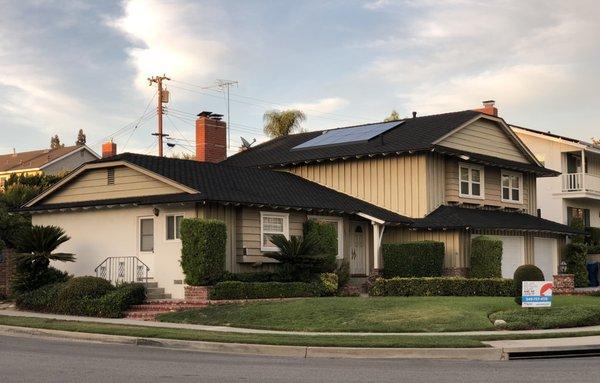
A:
[282,123]
[299,256]
[37,244]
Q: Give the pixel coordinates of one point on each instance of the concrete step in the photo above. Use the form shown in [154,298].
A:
[153,297]
[151,285]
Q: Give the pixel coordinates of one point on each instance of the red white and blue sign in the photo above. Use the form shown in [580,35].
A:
[537,294]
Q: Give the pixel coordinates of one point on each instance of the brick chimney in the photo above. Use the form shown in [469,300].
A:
[109,149]
[488,108]
[211,138]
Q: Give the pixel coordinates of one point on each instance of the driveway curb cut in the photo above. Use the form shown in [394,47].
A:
[488,354]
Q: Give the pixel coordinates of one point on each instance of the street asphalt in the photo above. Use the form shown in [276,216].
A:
[34,359]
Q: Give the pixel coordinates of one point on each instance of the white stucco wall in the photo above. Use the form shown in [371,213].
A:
[98,234]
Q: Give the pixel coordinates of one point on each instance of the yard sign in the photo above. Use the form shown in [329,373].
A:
[537,294]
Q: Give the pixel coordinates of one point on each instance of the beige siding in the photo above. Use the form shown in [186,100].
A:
[454,242]
[487,138]
[436,181]
[226,214]
[492,189]
[92,185]
[397,183]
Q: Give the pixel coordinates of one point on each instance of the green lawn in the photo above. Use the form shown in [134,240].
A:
[390,314]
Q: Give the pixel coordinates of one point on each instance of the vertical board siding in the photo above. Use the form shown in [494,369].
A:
[397,183]
[485,137]
[492,188]
[436,181]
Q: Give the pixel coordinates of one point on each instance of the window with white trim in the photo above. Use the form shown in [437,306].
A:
[471,180]
[338,224]
[173,226]
[146,234]
[270,225]
[512,187]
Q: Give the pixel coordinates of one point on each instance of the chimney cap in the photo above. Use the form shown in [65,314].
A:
[488,103]
[204,113]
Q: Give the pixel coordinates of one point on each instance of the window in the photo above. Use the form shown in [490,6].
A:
[578,213]
[110,176]
[512,187]
[173,226]
[147,234]
[471,181]
[271,224]
[337,224]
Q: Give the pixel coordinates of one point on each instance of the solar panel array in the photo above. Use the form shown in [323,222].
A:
[349,135]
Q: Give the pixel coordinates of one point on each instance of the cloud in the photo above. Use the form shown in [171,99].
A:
[324,105]
[528,55]
[183,40]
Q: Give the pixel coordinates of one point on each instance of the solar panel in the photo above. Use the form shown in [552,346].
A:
[352,134]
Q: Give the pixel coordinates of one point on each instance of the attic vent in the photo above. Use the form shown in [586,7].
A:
[110,176]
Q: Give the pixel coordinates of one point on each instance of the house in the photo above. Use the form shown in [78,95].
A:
[575,192]
[434,177]
[47,161]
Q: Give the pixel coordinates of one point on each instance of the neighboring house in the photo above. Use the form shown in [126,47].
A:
[425,178]
[575,192]
[47,161]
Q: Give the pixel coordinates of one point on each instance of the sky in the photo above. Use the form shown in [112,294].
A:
[70,65]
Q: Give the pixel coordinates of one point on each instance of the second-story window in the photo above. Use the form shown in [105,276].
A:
[512,187]
[471,181]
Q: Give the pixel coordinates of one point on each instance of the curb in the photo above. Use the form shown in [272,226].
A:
[488,354]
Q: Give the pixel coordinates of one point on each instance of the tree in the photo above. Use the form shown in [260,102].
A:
[394,116]
[282,123]
[80,138]
[55,142]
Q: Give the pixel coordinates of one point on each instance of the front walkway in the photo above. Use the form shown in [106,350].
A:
[131,322]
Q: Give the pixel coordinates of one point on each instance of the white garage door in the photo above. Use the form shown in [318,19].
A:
[513,254]
[545,256]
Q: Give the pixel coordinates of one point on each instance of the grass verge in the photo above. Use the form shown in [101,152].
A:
[414,341]
[385,314]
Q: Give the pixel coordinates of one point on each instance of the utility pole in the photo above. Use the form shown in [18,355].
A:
[226,84]
[163,98]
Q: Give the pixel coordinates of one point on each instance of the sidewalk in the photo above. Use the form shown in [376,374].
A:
[131,322]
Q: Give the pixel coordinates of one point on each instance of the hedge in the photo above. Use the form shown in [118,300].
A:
[525,273]
[576,258]
[415,259]
[203,244]
[259,276]
[593,236]
[93,300]
[448,286]
[486,257]
[262,290]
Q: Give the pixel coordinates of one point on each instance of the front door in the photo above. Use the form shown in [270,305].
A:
[358,248]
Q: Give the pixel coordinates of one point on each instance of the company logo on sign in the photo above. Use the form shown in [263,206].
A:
[537,294]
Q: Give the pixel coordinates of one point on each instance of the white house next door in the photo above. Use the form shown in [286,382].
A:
[545,255]
[358,248]
[513,254]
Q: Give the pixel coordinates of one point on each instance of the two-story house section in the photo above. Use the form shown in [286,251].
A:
[457,175]
[575,192]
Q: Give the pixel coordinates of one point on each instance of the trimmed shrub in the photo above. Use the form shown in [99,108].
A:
[259,276]
[42,299]
[343,273]
[442,286]
[327,242]
[93,300]
[203,244]
[593,249]
[27,279]
[263,290]
[415,259]
[328,283]
[525,273]
[576,258]
[486,257]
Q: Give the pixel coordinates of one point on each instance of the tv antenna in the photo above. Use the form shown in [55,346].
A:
[224,86]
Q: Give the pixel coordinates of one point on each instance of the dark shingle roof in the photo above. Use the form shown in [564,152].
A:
[220,183]
[411,134]
[454,217]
